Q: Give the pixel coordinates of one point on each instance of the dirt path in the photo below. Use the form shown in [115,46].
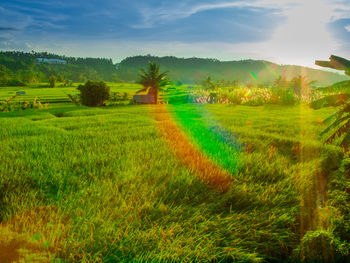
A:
[192,158]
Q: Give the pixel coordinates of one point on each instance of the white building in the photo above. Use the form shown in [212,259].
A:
[51,61]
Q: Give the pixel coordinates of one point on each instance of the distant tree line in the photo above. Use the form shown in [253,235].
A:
[20,68]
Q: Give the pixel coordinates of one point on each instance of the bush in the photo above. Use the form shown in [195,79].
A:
[14,83]
[321,246]
[15,105]
[283,96]
[94,93]
[52,81]
[117,96]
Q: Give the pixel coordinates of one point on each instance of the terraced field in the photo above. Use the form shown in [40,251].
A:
[58,94]
[121,184]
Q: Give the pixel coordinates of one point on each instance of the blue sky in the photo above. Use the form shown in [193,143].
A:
[283,31]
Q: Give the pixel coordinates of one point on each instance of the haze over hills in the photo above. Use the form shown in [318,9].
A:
[22,67]
[194,70]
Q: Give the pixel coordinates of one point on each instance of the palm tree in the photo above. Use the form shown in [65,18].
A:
[152,80]
[339,122]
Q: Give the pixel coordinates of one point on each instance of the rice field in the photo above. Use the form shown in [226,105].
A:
[58,94]
[166,183]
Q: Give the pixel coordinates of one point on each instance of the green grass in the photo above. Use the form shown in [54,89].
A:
[59,93]
[109,178]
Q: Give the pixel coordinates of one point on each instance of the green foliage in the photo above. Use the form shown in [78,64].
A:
[153,80]
[14,83]
[94,93]
[118,96]
[301,87]
[283,96]
[12,104]
[321,246]
[339,122]
[74,98]
[339,199]
[58,94]
[209,84]
[68,83]
[280,82]
[23,67]
[52,81]
[120,205]
[194,70]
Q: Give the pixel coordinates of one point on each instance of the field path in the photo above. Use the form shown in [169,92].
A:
[186,152]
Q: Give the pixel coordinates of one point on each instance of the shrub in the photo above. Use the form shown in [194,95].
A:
[320,246]
[68,83]
[52,81]
[284,96]
[117,96]
[209,84]
[94,93]
[74,98]
[14,83]
[15,105]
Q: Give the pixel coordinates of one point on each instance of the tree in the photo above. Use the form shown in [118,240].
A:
[152,80]
[52,81]
[301,86]
[339,122]
[94,93]
[208,83]
[280,82]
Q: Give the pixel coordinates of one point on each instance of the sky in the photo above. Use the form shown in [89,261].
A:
[282,31]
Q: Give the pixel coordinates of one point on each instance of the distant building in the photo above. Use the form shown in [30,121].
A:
[51,61]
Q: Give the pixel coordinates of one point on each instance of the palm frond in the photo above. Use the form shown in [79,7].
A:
[334,116]
[346,140]
[335,124]
[345,127]
[142,90]
[331,100]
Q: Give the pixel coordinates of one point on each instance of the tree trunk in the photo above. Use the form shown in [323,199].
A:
[155,94]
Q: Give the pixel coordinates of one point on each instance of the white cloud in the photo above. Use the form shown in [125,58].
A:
[305,36]
[14,19]
[182,9]
[301,39]
[347,28]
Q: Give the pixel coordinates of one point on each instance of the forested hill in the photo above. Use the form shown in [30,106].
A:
[23,67]
[194,70]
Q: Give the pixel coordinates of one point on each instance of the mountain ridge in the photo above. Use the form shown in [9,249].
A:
[193,70]
[23,67]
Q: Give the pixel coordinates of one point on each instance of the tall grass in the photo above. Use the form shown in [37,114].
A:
[96,185]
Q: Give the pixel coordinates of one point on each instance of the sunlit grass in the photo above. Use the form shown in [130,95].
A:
[117,191]
[59,93]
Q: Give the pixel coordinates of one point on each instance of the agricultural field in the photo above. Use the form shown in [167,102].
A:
[178,182]
[58,94]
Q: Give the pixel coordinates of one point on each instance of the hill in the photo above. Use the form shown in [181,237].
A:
[17,67]
[194,70]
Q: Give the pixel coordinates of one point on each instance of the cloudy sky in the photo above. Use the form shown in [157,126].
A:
[282,31]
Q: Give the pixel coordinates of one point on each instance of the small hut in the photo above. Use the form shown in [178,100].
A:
[148,96]
[143,99]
